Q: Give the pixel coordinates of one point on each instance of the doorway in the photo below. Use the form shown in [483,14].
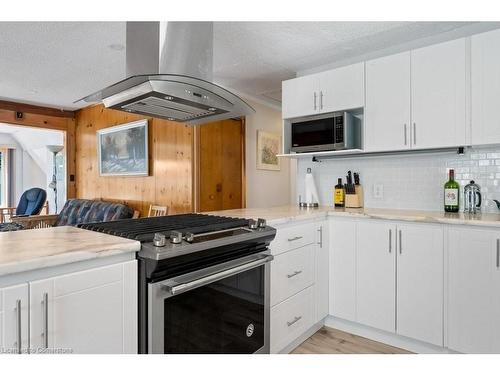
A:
[220,165]
[28,161]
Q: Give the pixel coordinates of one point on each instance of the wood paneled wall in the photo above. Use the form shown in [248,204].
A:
[170,181]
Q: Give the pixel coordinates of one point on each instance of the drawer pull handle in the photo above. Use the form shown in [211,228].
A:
[294,274]
[294,238]
[295,320]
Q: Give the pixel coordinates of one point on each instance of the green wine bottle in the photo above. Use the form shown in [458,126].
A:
[451,194]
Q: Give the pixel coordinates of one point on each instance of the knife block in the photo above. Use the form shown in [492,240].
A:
[355,200]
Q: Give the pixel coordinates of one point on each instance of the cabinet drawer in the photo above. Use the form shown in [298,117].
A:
[291,318]
[291,272]
[293,237]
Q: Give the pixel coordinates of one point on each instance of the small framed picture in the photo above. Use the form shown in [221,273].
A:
[123,150]
[268,147]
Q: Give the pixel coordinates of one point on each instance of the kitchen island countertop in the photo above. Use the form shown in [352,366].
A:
[33,249]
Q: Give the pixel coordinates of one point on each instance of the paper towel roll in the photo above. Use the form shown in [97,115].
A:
[311,192]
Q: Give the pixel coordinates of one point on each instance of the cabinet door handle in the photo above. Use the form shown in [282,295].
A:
[498,253]
[314,100]
[400,243]
[295,320]
[390,241]
[320,243]
[294,238]
[405,134]
[45,332]
[19,327]
[414,133]
[294,274]
[320,100]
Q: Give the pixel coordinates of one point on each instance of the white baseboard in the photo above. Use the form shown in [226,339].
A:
[299,340]
[388,338]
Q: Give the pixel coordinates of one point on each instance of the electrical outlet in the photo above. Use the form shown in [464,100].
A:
[378,191]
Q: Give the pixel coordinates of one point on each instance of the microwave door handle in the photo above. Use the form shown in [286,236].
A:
[210,275]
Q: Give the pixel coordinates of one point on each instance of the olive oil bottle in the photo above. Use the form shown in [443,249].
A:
[451,193]
[339,194]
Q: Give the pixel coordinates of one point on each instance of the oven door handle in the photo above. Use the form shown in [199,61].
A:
[180,285]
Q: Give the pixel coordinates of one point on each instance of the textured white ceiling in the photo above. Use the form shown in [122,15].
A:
[55,64]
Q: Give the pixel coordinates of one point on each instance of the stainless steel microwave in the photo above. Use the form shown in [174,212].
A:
[336,131]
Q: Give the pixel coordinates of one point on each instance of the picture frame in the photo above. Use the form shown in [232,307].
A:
[268,147]
[123,150]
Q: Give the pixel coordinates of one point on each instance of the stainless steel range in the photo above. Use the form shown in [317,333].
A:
[203,282]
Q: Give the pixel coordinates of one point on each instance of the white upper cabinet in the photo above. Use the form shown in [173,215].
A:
[438,82]
[387,110]
[420,282]
[376,274]
[334,90]
[342,89]
[485,82]
[300,96]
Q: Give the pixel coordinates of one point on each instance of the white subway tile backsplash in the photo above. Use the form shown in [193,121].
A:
[413,181]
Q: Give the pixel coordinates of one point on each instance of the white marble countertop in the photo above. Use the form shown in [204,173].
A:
[32,249]
[288,214]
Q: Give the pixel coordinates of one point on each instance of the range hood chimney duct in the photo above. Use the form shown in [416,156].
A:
[169,66]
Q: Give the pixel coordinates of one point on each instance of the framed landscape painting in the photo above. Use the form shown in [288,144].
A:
[123,150]
[268,147]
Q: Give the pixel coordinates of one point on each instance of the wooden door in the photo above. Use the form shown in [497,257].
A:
[420,282]
[376,275]
[221,150]
[438,75]
[485,82]
[387,111]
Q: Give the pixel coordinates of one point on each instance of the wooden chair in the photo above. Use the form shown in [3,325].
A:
[8,213]
[157,211]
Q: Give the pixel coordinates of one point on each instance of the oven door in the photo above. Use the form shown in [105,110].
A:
[219,309]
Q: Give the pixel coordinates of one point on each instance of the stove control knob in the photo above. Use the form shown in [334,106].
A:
[252,224]
[189,237]
[159,240]
[261,223]
[175,236]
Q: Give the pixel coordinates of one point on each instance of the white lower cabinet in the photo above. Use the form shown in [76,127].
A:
[14,310]
[291,318]
[343,268]
[474,290]
[92,311]
[376,275]
[388,276]
[420,282]
[299,281]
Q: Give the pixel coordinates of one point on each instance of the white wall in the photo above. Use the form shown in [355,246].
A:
[264,188]
[27,173]
[413,181]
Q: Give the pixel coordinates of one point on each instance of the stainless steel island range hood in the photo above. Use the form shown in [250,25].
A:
[169,70]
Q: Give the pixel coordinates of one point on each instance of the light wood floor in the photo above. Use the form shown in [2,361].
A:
[332,341]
